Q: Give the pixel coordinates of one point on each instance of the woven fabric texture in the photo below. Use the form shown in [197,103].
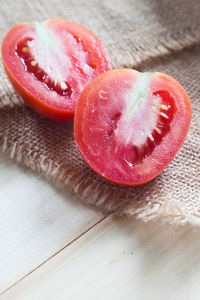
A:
[145,35]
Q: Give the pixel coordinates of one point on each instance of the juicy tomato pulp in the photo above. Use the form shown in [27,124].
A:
[49,63]
[130,125]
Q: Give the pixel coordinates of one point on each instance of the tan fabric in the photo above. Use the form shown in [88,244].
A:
[146,35]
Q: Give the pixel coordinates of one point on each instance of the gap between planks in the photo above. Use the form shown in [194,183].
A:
[56,253]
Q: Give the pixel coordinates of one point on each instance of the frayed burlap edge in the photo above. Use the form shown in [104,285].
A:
[90,192]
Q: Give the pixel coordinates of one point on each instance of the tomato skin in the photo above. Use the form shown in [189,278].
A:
[108,167]
[38,106]
[89,41]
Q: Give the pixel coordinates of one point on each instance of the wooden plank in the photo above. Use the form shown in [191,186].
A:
[36,220]
[120,259]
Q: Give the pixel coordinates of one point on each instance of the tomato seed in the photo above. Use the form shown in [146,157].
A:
[158,130]
[25,49]
[33,63]
[164,115]
[151,137]
[164,107]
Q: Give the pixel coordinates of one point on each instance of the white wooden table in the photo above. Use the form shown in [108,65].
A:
[52,246]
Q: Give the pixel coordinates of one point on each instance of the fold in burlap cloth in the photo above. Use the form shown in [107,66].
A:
[145,35]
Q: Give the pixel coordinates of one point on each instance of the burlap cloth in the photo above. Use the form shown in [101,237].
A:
[145,35]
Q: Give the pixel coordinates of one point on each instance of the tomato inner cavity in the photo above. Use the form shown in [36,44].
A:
[24,52]
[143,122]
[61,64]
[162,127]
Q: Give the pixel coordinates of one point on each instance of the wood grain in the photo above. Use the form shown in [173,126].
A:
[120,259]
[54,247]
[36,221]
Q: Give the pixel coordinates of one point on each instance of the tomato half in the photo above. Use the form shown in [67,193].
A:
[49,63]
[130,125]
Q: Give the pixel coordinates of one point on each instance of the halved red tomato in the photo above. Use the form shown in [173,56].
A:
[129,125]
[49,63]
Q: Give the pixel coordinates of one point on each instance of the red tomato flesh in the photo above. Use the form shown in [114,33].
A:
[130,125]
[49,63]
